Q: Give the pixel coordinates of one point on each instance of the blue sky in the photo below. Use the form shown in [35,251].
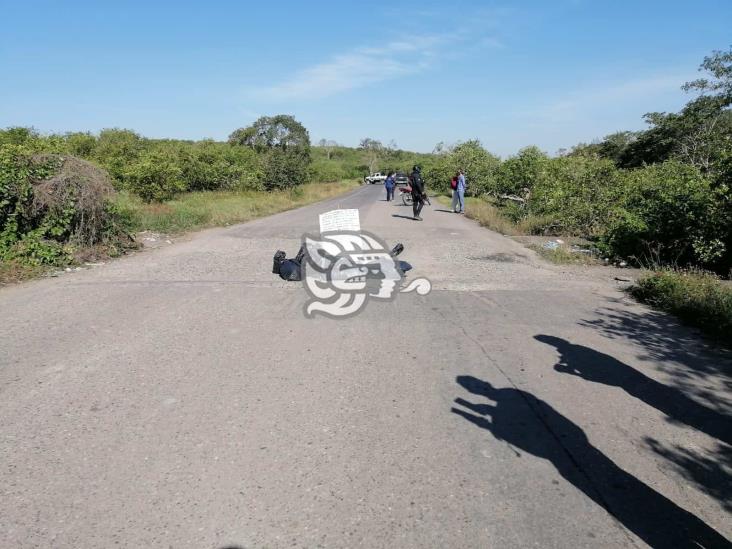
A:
[549,73]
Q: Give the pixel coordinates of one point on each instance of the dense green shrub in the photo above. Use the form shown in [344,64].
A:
[116,149]
[517,175]
[208,166]
[81,144]
[154,176]
[698,298]
[18,136]
[284,169]
[480,167]
[17,219]
[328,171]
[50,205]
[576,193]
[665,214]
[32,141]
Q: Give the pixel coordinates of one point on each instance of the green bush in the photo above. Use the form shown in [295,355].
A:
[51,205]
[323,170]
[696,297]
[17,219]
[480,167]
[284,168]
[576,193]
[665,214]
[81,144]
[19,136]
[208,166]
[155,176]
[519,174]
[32,141]
[116,149]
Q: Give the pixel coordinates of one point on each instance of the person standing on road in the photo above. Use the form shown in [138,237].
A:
[460,192]
[389,184]
[453,186]
[418,194]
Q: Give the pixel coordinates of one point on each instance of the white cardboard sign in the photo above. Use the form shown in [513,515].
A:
[340,220]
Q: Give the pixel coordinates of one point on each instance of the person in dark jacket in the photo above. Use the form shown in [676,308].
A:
[418,194]
[389,184]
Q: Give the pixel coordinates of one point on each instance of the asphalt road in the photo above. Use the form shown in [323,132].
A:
[180,398]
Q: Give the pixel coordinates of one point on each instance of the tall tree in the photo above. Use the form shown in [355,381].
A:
[701,133]
[284,146]
[373,150]
[328,145]
[281,131]
[719,67]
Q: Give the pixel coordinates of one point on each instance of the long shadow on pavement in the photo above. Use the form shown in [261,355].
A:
[661,338]
[597,367]
[403,216]
[532,425]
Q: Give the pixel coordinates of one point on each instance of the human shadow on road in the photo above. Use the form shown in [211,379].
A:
[530,424]
[403,216]
[662,338]
[591,365]
[444,211]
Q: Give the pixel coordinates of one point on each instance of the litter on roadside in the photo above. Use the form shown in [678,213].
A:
[577,250]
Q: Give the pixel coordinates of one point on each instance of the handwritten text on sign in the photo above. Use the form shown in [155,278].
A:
[340,220]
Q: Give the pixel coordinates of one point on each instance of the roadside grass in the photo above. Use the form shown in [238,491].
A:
[12,271]
[490,217]
[563,256]
[188,212]
[696,297]
[198,210]
[486,215]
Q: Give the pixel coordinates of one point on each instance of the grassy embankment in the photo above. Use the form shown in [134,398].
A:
[198,210]
[698,298]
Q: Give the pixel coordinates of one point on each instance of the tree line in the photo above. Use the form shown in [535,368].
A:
[658,195]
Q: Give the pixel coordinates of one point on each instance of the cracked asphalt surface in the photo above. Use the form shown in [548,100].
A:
[180,398]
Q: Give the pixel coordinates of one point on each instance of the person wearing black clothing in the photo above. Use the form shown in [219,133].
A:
[418,194]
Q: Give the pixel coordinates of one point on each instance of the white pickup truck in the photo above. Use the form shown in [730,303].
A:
[377,177]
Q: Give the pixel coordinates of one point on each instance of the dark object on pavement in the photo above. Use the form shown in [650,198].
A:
[291,269]
[279,257]
[288,269]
